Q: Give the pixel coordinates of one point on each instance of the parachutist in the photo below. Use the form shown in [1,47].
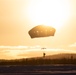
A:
[44,55]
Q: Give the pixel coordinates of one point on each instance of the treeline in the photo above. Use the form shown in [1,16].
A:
[39,61]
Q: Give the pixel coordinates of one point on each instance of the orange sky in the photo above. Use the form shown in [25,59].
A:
[15,24]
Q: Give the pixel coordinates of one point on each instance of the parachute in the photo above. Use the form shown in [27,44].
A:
[41,31]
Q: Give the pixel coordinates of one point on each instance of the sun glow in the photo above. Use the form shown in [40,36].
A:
[49,12]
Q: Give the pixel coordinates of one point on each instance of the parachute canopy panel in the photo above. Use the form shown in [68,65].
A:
[41,31]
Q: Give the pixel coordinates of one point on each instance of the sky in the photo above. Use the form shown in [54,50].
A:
[17,17]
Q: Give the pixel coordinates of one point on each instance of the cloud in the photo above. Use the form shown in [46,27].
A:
[39,52]
[20,47]
[73,45]
[37,46]
[13,47]
[15,52]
